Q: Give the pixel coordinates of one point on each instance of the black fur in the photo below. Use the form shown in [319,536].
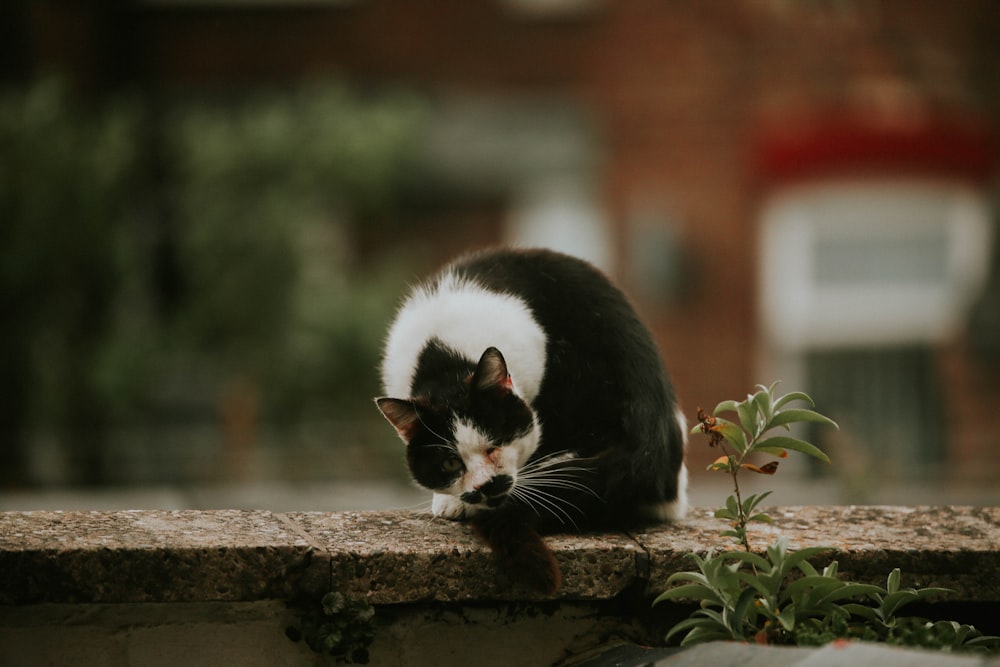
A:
[605,395]
[604,400]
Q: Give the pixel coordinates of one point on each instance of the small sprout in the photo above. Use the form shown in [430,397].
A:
[758,415]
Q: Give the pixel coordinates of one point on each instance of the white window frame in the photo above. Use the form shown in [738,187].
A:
[798,312]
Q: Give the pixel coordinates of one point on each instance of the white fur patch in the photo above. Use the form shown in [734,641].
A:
[450,507]
[674,510]
[468,318]
[473,446]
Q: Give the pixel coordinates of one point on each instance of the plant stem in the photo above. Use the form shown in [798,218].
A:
[742,520]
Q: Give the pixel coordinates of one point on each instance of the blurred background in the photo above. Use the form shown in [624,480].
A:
[210,208]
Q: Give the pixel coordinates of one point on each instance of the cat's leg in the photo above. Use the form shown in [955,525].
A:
[450,507]
[521,554]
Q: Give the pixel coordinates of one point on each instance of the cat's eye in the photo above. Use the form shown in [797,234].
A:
[451,464]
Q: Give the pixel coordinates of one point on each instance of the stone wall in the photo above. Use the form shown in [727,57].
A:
[222,587]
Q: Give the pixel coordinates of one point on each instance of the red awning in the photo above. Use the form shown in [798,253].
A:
[844,146]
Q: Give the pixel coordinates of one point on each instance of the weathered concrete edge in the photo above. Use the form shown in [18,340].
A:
[405,557]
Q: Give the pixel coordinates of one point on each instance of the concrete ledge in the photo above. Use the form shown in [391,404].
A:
[397,557]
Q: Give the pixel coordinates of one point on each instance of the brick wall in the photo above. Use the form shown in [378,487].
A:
[680,90]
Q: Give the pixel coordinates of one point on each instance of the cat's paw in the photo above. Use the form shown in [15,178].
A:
[450,507]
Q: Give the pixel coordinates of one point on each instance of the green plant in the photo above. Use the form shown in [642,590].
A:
[758,416]
[879,619]
[783,594]
[780,597]
[785,600]
[338,626]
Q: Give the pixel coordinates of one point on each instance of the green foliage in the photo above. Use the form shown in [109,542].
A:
[780,597]
[758,415]
[338,626]
[782,594]
[785,600]
[65,171]
[155,252]
[257,187]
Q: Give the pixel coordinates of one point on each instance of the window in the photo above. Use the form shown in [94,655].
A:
[858,284]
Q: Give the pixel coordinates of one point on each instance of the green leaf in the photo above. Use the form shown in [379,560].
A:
[794,444]
[704,634]
[724,513]
[869,614]
[894,601]
[761,518]
[726,406]
[756,560]
[793,559]
[985,640]
[691,625]
[753,501]
[733,506]
[851,590]
[747,411]
[892,581]
[808,570]
[694,577]
[762,399]
[735,620]
[792,396]
[755,582]
[787,617]
[733,434]
[770,390]
[796,415]
[689,592]
[803,584]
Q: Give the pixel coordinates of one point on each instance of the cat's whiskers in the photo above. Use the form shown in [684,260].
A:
[537,499]
[538,481]
[422,507]
[543,473]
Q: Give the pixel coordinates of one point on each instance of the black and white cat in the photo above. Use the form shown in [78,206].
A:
[533,400]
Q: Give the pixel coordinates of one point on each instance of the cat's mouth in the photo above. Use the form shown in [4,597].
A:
[492,492]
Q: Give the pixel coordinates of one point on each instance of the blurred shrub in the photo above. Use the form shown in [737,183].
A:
[64,177]
[157,256]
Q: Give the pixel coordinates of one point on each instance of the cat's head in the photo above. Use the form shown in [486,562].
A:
[472,444]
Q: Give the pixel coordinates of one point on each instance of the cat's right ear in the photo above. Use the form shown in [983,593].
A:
[491,373]
[401,414]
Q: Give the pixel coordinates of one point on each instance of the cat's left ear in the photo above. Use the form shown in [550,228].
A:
[401,414]
[491,373]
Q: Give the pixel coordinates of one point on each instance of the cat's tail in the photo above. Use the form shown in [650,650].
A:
[520,551]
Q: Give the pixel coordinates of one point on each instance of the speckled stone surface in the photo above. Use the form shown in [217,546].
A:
[152,556]
[405,557]
[408,557]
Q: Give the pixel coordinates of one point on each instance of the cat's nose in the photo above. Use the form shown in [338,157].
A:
[497,486]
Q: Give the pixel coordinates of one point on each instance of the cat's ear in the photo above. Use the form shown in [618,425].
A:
[491,373]
[401,414]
